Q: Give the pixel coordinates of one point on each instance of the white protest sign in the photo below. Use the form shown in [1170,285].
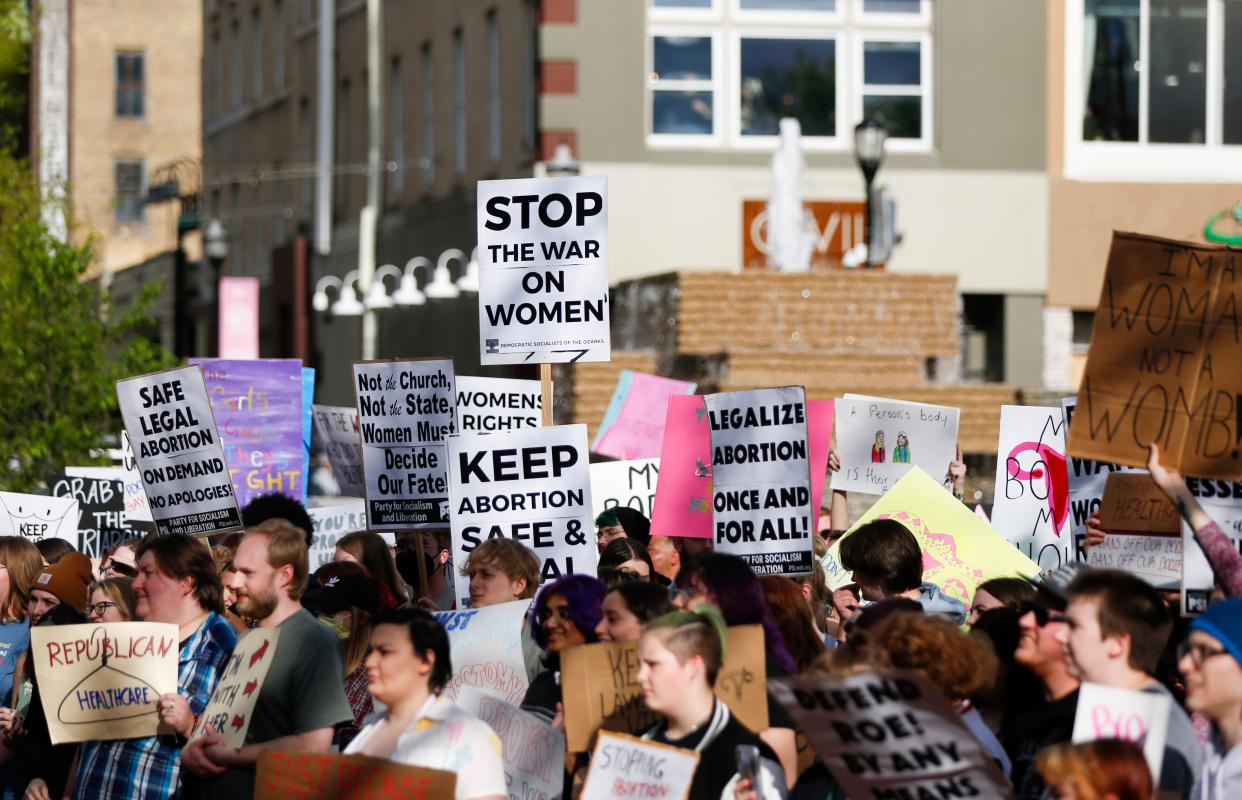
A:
[341,438]
[1156,559]
[530,485]
[36,517]
[534,751]
[543,270]
[1106,712]
[1031,503]
[626,766]
[488,405]
[890,734]
[878,440]
[233,700]
[761,478]
[333,517]
[1087,478]
[1222,500]
[180,456]
[102,520]
[624,483]
[405,412]
[136,506]
[485,646]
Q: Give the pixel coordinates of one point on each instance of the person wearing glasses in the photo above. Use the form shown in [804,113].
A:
[566,613]
[120,560]
[1211,662]
[111,600]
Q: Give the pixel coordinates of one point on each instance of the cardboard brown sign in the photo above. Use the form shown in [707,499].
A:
[283,774]
[599,684]
[1164,364]
[1133,503]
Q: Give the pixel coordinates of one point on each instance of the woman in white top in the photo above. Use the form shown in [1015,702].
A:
[408,667]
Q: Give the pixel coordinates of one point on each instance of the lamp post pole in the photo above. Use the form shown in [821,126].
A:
[869,138]
[368,221]
[216,248]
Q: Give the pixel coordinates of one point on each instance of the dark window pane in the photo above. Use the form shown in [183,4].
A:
[128,178]
[1110,64]
[681,112]
[891,63]
[789,78]
[1233,73]
[891,6]
[683,58]
[901,114]
[789,5]
[1177,82]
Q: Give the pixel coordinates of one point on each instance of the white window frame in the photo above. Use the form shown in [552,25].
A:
[787,18]
[922,19]
[741,141]
[1126,162]
[716,84]
[690,15]
[923,144]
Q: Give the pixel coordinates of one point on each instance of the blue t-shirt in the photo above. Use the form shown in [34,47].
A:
[14,640]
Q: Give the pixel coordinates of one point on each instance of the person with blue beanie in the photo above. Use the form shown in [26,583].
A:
[1211,661]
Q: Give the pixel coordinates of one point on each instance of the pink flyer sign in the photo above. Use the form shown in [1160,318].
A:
[633,425]
[239,318]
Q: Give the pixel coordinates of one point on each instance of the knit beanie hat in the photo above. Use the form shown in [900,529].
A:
[1223,621]
[67,579]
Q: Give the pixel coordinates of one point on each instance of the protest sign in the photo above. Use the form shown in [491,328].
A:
[285,774]
[534,751]
[179,452]
[136,507]
[543,270]
[1107,712]
[1222,500]
[485,646]
[624,483]
[405,412]
[683,506]
[341,438]
[633,425]
[530,485]
[1144,531]
[890,734]
[1031,500]
[960,550]
[36,517]
[761,478]
[333,517]
[1087,478]
[103,681]
[237,690]
[1163,361]
[488,405]
[308,424]
[626,766]
[599,684]
[879,439]
[102,519]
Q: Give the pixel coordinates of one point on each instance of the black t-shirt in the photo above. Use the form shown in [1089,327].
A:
[717,759]
[1026,733]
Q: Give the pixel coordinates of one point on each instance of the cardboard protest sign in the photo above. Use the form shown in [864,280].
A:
[179,452]
[879,439]
[531,485]
[103,681]
[102,520]
[485,646]
[341,438]
[960,550]
[405,412]
[1106,712]
[534,751]
[761,478]
[284,774]
[258,408]
[488,405]
[36,517]
[237,691]
[1087,478]
[1031,503]
[890,734]
[1163,361]
[1144,531]
[1222,500]
[633,425]
[599,684]
[624,483]
[543,270]
[626,766]
[333,517]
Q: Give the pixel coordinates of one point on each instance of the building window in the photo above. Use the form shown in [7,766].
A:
[459,101]
[130,84]
[788,78]
[217,75]
[429,116]
[493,86]
[130,177]
[681,82]
[278,46]
[892,85]
[237,67]
[396,175]
[256,54]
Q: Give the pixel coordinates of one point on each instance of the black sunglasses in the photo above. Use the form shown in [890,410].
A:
[1043,614]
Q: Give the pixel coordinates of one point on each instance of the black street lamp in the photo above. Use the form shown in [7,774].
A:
[869,138]
[216,248]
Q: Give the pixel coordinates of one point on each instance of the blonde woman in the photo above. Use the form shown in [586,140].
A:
[111,600]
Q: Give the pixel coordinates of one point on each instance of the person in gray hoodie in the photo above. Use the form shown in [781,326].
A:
[1211,662]
[887,562]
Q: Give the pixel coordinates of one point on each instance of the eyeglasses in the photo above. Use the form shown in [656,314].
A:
[98,608]
[121,568]
[1043,614]
[1199,653]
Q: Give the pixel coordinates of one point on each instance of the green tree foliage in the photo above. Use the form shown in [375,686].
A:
[61,347]
[14,73]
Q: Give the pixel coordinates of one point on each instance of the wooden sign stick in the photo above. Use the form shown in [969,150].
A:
[545,388]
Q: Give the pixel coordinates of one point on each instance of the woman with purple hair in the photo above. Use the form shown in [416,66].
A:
[728,583]
[565,613]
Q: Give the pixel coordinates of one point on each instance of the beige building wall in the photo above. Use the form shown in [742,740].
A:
[169,32]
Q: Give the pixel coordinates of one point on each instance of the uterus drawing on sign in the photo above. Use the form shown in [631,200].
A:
[1042,467]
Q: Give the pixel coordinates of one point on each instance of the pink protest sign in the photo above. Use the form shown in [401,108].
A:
[683,501]
[239,318]
[633,425]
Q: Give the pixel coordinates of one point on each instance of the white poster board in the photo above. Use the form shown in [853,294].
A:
[405,414]
[36,517]
[879,439]
[1106,712]
[1087,478]
[530,485]
[333,517]
[340,436]
[485,646]
[136,507]
[534,751]
[1222,500]
[1030,507]
[543,270]
[624,483]
[761,478]
[626,766]
[490,405]
[179,452]
[233,700]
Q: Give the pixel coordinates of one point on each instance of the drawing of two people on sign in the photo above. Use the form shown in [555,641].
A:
[901,453]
